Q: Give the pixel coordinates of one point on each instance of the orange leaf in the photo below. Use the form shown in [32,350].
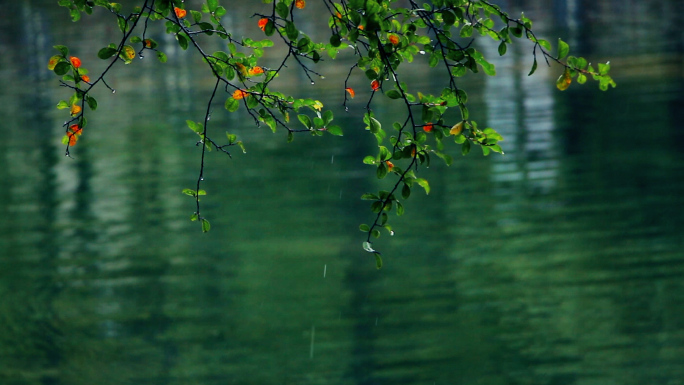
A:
[427,127]
[256,71]
[390,165]
[375,85]
[180,12]
[300,4]
[360,27]
[75,109]
[339,15]
[239,94]
[394,39]
[351,92]
[75,129]
[85,78]
[262,23]
[76,62]
[147,43]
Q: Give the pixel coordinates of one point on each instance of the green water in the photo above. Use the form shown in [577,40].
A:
[558,263]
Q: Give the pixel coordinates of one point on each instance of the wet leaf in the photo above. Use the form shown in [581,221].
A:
[205,225]
[563,49]
[564,80]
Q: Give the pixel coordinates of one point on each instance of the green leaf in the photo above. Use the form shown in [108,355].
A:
[161,56]
[382,170]
[62,49]
[367,160]
[182,41]
[424,184]
[327,117]
[502,48]
[122,23]
[563,49]
[251,101]
[400,209]
[545,44]
[62,105]
[232,105]
[465,147]
[448,17]
[62,68]
[335,40]
[282,10]
[189,192]
[534,67]
[231,138]
[364,227]
[335,130]
[196,16]
[194,126]
[205,225]
[291,31]
[369,197]
[212,4]
[220,12]
[378,261]
[92,103]
[393,94]
[306,120]
[406,191]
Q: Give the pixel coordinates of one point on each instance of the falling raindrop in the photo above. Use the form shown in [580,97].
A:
[313,335]
[332,158]
[325,268]
[376,321]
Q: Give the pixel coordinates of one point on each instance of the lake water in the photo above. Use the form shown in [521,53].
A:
[558,263]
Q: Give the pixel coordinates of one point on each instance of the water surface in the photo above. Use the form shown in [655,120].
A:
[558,263]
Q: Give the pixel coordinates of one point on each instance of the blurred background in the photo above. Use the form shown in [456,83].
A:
[560,262]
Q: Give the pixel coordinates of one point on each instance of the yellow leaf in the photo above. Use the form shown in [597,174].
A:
[564,80]
[53,62]
[456,129]
[128,53]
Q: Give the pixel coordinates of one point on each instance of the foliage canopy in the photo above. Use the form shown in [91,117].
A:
[381,34]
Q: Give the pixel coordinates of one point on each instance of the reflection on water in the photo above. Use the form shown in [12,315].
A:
[558,263]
